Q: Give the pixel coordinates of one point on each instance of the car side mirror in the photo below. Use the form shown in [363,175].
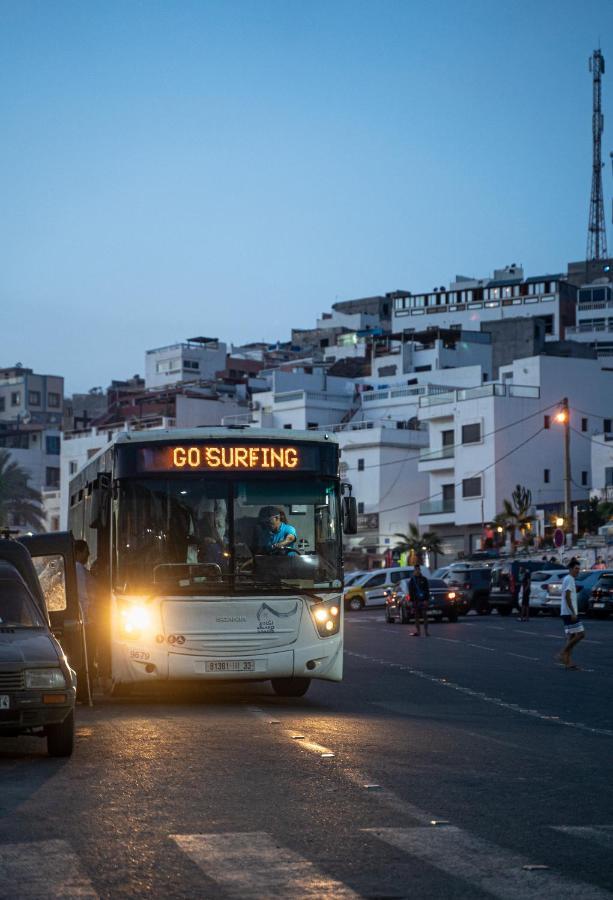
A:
[350,515]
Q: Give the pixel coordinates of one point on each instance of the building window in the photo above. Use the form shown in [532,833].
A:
[606,425]
[15,398]
[608,476]
[546,421]
[72,467]
[288,427]
[165,366]
[190,364]
[53,400]
[360,508]
[311,426]
[584,478]
[360,465]
[52,477]
[34,398]
[583,424]
[52,444]
[546,476]
[471,434]
[471,487]
[2,404]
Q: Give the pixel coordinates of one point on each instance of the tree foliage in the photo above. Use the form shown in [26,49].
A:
[18,501]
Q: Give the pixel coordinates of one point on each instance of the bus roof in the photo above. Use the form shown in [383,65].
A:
[219,433]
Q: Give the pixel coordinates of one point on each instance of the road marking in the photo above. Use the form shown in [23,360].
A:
[479,695]
[43,870]
[387,797]
[481,647]
[255,865]
[521,656]
[603,834]
[484,865]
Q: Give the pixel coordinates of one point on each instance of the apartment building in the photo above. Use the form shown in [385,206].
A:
[602,462]
[485,440]
[508,294]
[30,398]
[194,359]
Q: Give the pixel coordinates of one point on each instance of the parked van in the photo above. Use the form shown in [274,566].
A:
[370,588]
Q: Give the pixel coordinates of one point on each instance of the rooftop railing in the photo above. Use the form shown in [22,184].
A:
[495,389]
[436,507]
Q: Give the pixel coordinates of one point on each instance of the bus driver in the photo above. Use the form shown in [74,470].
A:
[274,533]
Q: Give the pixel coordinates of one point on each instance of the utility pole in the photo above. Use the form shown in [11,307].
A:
[565,413]
[596,230]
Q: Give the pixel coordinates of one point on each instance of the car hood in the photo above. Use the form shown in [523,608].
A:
[31,648]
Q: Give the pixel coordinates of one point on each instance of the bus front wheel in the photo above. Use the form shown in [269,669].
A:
[290,687]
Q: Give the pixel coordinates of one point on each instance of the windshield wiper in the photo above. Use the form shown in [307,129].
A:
[286,585]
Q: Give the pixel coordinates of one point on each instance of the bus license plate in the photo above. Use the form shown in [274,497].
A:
[4,701]
[598,605]
[231,665]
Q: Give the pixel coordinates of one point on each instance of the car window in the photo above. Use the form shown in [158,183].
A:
[437,583]
[17,609]
[541,576]
[50,571]
[606,581]
[375,581]
[396,576]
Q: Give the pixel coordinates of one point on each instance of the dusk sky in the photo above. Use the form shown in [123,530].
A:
[231,169]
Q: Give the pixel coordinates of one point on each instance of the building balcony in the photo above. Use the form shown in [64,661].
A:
[440,453]
[436,507]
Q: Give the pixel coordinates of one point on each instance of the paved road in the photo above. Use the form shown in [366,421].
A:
[233,792]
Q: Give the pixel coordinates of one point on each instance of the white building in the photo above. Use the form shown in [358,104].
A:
[602,462]
[486,440]
[30,398]
[197,359]
[468,302]
[380,461]
[595,318]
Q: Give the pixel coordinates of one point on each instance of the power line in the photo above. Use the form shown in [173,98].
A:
[485,469]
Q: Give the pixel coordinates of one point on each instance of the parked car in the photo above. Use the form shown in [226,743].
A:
[601,601]
[474,583]
[445,602]
[37,685]
[585,582]
[352,577]
[369,589]
[504,588]
[540,598]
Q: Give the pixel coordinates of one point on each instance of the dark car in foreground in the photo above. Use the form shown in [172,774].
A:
[445,603]
[37,686]
[473,582]
[601,601]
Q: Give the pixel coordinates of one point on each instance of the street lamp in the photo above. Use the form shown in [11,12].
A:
[562,417]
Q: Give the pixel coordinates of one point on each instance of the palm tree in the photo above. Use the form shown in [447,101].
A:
[18,501]
[516,514]
[416,544]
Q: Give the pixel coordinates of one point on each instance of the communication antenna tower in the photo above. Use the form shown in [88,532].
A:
[596,230]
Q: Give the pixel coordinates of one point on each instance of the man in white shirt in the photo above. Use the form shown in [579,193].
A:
[569,612]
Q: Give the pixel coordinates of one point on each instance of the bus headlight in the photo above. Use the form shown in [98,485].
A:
[135,617]
[326,616]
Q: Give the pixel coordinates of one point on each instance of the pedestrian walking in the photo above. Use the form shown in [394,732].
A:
[570,615]
[419,592]
[525,579]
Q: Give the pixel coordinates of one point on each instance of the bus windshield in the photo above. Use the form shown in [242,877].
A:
[193,535]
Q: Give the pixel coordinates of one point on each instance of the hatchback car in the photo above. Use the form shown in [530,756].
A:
[37,686]
[540,598]
[505,587]
[601,601]
[445,602]
[586,581]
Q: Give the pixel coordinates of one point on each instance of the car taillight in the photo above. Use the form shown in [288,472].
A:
[466,586]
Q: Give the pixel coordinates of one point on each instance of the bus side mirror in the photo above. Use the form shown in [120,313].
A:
[350,515]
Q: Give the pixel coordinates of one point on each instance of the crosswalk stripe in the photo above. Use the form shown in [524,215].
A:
[486,866]
[41,871]
[254,865]
[602,834]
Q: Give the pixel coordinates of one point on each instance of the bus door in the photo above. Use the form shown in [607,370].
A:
[54,561]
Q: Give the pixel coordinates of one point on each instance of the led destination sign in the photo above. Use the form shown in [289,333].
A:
[224,457]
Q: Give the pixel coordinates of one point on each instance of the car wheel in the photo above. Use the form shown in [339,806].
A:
[504,610]
[290,687]
[355,604]
[404,617]
[389,619]
[60,737]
